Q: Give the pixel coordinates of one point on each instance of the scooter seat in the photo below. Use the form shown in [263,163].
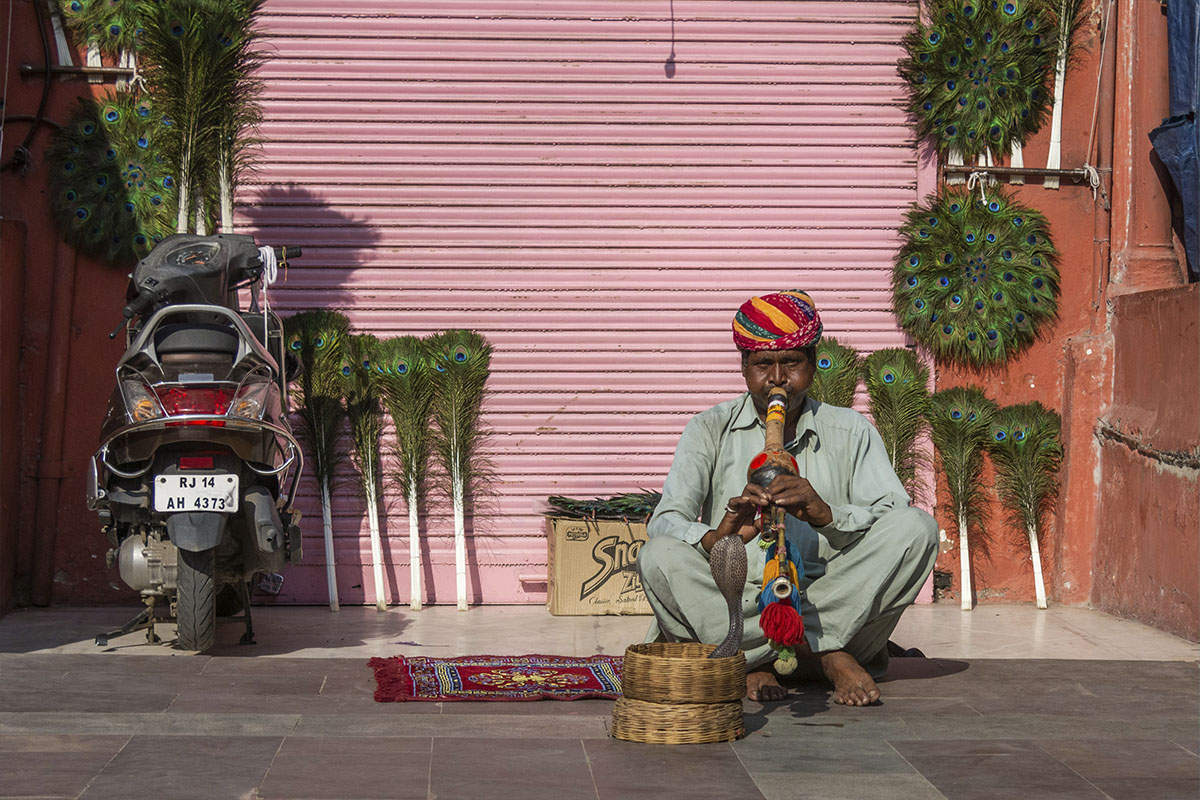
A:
[196,338]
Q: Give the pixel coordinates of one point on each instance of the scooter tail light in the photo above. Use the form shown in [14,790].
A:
[184,400]
[140,403]
[195,462]
[250,402]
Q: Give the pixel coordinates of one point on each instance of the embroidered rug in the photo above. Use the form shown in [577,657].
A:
[496,678]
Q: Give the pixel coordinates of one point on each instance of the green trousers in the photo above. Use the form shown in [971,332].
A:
[852,597]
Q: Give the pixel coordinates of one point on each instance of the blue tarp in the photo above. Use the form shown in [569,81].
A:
[1177,140]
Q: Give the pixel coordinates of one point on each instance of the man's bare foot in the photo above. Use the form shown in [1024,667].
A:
[852,686]
[763,686]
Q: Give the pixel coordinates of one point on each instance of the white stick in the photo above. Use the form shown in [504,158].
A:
[460,542]
[414,551]
[954,159]
[1039,584]
[1016,161]
[964,563]
[330,564]
[62,49]
[1053,157]
[93,60]
[376,545]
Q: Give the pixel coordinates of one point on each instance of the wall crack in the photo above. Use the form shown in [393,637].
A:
[1105,430]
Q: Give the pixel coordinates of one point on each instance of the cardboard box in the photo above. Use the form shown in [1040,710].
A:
[592,567]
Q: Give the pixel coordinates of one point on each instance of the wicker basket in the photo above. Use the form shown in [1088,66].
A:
[682,672]
[675,694]
[677,723]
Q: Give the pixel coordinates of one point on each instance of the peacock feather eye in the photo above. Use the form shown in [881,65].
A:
[824,363]
[914,261]
[1019,435]
[346,370]
[366,364]
[177,29]
[919,304]
[295,343]
[944,281]
[956,414]
[888,376]
[111,114]
[114,30]
[461,353]
[972,336]
[401,367]
[1000,435]
[1038,283]
[913,280]
[319,341]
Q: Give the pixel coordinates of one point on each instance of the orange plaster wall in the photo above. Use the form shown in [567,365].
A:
[1079,372]
[1147,555]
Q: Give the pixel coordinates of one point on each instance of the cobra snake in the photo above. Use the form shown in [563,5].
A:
[728,563]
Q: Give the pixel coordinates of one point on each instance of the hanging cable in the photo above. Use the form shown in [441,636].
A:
[1105,20]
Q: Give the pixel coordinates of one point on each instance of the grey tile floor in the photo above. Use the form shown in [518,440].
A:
[1012,703]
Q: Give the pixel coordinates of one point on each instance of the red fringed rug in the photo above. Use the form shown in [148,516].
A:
[493,678]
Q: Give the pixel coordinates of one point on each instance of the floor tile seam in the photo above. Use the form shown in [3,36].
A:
[1185,748]
[912,766]
[749,772]
[267,773]
[587,759]
[1069,768]
[91,780]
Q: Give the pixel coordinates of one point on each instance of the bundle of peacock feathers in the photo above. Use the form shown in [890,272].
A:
[406,386]
[835,379]
[976,280]
[111,190]
[361,390]
[460,370]
[961,423]
[114,26]
[1026,452]
[318,338]
[200,58]
[980,73]
[898,399]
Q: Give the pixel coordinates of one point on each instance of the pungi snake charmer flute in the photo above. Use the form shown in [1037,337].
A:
[779,602]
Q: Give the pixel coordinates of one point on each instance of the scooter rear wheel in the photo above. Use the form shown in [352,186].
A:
[196,610]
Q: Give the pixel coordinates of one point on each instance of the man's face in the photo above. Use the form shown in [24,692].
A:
[790,369]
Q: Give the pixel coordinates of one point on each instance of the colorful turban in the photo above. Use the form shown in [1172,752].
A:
[782,321]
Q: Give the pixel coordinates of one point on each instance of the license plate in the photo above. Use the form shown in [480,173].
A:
[196,492]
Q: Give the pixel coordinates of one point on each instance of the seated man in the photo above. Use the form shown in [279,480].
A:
[865,552]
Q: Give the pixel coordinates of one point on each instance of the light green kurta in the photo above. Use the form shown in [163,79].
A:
[860,571]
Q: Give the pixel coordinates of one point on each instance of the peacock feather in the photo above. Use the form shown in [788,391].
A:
[361,390]
[1026,452]
[318,338]
[838,370]
[405,379]
[200,57]
[111,190]
[898,398]
[113,25]
[975,281]
[960,421]
[460,362]
[979,74]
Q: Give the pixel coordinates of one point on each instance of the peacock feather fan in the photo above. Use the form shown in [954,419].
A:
[980,73]
[1026,453]
[200,57]
[111,190]
[361,392]
[898,399]
[460,362]
[361,389]
[113,25]
[405,378]
[318,339]
[975,281]
[960,421]
[835,379]
[406,387]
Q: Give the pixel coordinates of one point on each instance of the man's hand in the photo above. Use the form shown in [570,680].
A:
[797,496]
[739,516]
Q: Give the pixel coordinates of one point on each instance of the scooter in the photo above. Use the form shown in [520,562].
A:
[197,467]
